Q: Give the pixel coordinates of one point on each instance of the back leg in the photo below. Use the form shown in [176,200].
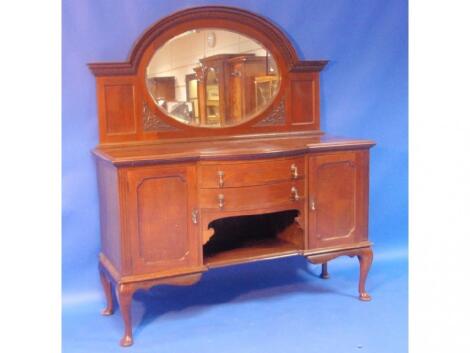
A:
[324,271]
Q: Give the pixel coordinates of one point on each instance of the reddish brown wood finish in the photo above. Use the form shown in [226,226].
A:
[162,213]
[162,87]
[241,148]
[262,250]
[107,288]
[249,173]
[338,198]
[124,294]
[161,190]
[161,234]
[364,255]
[299,81]
[110,212]
[253,197]
[304,87]
[125,291]
[118,108]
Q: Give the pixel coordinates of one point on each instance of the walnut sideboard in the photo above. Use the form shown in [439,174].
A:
[228,166]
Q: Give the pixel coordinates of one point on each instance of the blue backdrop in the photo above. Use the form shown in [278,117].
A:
[364,94]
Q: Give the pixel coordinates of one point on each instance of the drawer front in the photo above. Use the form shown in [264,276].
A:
[254,197]
[220,175]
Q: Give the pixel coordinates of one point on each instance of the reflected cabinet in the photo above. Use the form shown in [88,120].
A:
[211,154]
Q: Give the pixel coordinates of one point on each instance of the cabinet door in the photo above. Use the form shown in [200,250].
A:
[338,198]
[162,235]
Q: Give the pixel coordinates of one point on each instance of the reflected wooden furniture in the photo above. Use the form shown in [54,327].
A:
[163,87]
[265,87]
[192,95]
[177,200]
[234,90]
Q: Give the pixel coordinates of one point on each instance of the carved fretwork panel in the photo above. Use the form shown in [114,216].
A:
[276,117]
[152,122]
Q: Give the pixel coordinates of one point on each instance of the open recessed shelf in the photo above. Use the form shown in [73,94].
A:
[250,238]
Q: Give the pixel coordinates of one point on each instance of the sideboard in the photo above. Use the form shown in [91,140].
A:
[180,195]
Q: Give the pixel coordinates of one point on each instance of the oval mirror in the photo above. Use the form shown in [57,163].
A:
[212,78]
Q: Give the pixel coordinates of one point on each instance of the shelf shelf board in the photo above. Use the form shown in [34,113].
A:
[256,251]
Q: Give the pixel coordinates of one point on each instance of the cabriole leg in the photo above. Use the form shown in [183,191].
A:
[106,283]
[324,271]
[365,261]
[124,293]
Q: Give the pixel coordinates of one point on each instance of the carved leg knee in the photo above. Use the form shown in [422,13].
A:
[106,283]
[324,271]
[365,260]
[124,293]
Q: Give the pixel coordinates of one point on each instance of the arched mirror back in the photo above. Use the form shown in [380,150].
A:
[207,72]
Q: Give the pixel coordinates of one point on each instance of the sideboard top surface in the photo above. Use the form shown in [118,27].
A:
[236,148]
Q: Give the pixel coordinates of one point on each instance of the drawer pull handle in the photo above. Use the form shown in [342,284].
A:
[221,201]
[194,216]
[294,171]
[295,194]
[221,174]
[312,205]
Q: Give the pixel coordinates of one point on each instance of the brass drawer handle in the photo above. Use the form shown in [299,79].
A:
[221,201]
[294,194]
[312,205]
[194,216]
[294,171]
[221,174]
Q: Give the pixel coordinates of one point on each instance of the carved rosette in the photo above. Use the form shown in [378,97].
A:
[152,122]
[276,117]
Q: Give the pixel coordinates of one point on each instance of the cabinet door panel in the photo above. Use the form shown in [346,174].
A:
[338,191]
[161,199]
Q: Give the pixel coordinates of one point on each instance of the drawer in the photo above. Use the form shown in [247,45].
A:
[249,173]
[254,197]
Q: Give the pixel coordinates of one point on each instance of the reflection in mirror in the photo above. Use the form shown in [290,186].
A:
[212,78]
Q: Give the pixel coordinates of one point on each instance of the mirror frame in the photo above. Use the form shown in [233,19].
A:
[295,75]
[229,19]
